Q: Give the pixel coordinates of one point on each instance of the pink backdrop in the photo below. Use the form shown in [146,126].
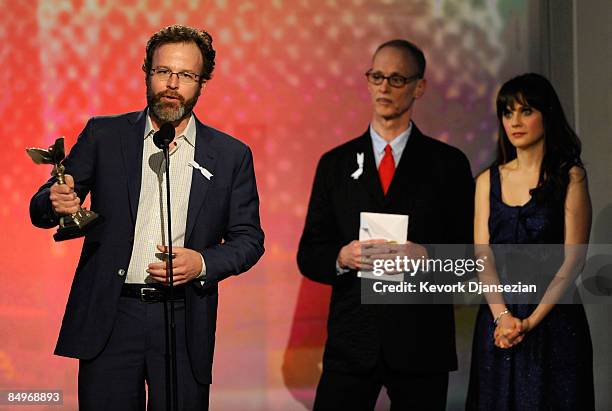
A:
[289,81]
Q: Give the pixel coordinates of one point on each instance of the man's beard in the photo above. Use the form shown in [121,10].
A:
[170,111]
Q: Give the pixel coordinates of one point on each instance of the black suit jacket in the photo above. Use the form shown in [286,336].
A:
[222,224]
[432,184]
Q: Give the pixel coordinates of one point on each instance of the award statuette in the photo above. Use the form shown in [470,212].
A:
[73,225]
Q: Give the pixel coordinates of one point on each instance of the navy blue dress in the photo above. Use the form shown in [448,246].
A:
[552,368]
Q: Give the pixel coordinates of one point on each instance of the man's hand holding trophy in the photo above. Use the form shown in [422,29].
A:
[74,220]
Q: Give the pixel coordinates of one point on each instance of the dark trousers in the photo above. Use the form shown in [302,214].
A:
[359,392]
[135,355]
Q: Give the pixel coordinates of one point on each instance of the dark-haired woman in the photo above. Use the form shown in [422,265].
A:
[533,355]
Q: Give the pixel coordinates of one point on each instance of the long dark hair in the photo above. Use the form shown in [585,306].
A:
[562,146]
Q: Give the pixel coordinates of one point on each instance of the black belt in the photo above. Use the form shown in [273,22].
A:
[151,293]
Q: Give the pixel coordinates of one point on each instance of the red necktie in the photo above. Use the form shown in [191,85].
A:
[386,169]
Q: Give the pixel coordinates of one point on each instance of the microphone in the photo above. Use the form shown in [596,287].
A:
[162,139]
[164,136]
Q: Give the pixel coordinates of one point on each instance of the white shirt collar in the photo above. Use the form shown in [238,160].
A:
[189,134]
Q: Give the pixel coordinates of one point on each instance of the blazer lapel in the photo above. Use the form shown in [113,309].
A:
[369,179]
[206,157]
[132,141]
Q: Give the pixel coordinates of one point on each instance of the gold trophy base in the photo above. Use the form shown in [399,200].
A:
[76,225]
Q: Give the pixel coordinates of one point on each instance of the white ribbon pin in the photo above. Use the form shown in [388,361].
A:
[204,171]
[359,170]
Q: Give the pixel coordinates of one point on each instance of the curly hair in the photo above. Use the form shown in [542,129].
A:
[182,34]
[562,147]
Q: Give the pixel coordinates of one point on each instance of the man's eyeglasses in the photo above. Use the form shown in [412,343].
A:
[395,80]
[184,77]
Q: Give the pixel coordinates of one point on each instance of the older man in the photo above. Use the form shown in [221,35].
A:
[409,349]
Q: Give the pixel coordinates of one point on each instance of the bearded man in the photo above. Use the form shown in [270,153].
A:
[115,318]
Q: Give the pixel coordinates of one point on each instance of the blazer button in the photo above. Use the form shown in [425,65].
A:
[121,272]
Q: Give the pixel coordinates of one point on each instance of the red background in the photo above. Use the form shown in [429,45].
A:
[289,82]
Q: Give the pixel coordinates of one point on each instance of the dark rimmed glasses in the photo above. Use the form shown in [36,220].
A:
[395,80]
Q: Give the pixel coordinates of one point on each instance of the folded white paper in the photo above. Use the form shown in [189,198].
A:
[390,227]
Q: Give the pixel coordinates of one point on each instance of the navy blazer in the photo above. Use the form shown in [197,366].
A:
[433,185]
[222,224]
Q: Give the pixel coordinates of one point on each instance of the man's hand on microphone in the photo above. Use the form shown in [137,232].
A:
[186,265]
[63,197]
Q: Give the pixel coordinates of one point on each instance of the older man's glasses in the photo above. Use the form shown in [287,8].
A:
[184,77]
[395,80]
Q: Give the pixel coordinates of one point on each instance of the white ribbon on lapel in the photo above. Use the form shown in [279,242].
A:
[204,171]
[359,170]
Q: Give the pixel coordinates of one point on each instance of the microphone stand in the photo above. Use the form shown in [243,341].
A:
[171,368]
